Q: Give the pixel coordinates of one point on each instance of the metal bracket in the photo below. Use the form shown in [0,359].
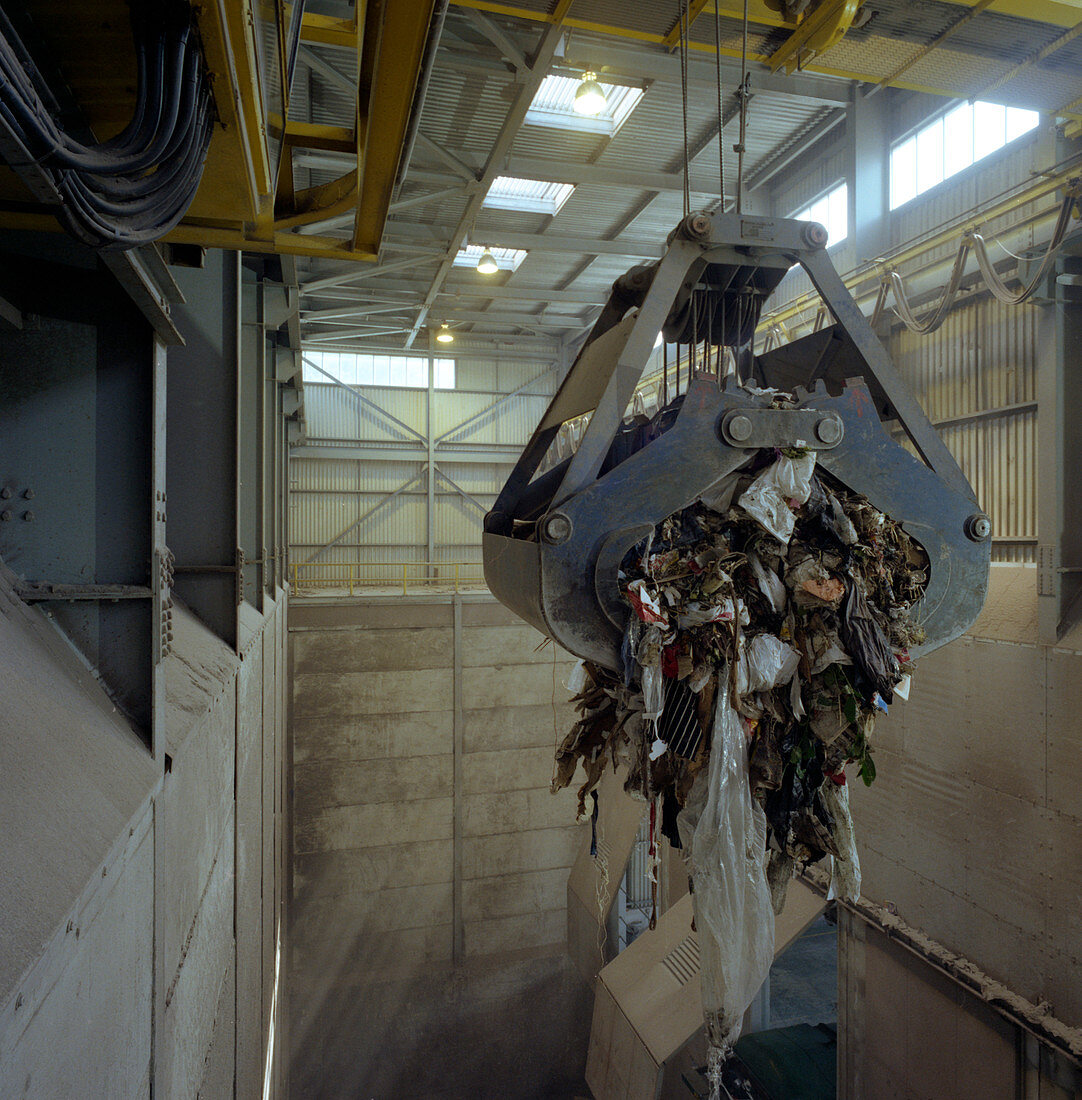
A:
[37,591]
[807,429]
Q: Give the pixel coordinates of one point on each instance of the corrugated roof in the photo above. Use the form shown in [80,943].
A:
[473,87]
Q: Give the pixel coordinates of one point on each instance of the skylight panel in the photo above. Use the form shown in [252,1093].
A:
[554,106]
[507,258]
[512,193]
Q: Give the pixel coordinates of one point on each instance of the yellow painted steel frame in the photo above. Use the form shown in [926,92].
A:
[239,205]
[1059,13]
[816,33]
[389,37]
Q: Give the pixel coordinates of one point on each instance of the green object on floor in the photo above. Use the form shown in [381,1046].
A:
[792,1063]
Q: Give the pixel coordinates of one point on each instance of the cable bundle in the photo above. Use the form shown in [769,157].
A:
[133,188]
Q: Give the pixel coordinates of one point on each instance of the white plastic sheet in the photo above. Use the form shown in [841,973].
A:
[767,498]
[765,662]
[770,584]
[845,872]
[723,831]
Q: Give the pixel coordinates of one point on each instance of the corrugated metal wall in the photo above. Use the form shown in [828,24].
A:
[376,510]
[980,367]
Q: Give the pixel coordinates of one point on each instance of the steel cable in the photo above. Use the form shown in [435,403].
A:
[136,186]
[992,280]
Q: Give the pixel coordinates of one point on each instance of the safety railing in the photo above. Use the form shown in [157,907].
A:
[398,576]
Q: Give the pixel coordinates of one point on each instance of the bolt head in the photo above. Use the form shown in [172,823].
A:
[699,225]
[28,516]
[556,528]
[5,493]
[29,494]
[978,527]
[740,429]
[829,429]
[815,235]
[5,515]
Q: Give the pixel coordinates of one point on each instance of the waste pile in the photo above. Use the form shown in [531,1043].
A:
[768,624]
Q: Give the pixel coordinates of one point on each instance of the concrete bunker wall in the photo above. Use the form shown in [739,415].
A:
[429,912]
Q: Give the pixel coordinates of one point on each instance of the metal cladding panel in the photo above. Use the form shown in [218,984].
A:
[463,112]
[491,221]
[553,143]
[983,359]
[333,412]
[554,269]
[328,103]
[795,189]
[322,475]
[986,181]
[458,523]
[496,376]
[510,422]
[477,479]
[315,476]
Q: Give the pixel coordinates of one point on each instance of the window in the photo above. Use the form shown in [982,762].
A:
[554,106]
[831,210]
[508,259]
[951,143]
[357,369]
[510,193]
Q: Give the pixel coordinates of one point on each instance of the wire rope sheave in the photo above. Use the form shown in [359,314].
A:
[132,188]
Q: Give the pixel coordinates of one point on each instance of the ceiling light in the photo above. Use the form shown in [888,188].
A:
[487,263]
[444,336]
[589,99]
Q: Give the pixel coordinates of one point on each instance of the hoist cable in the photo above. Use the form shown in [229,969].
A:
[721,116]
[743,114]
[684,100]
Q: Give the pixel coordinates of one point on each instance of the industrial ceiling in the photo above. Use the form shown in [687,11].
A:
[628,185]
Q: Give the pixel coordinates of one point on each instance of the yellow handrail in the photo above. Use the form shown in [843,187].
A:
[349,577]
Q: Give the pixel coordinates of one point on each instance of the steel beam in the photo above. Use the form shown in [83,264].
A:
[541,242]
[508,50]
[524,320]
[509,292]
[494,165]
[454,162]
[469,454]
[325,69]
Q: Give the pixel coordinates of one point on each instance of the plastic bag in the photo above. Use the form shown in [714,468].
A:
[767,498]
[719,496]
[723,831]
[868,645]
[770,584]
[578,679]
[793,476]
[764,663]
[845,872]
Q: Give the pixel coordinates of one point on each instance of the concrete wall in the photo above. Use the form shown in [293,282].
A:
[124,877]
[972,832]
[428,921]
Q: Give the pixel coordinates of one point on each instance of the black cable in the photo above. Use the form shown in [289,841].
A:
[136,186]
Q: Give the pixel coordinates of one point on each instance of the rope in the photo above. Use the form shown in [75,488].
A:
[743,114]
[684,27]
[721,116]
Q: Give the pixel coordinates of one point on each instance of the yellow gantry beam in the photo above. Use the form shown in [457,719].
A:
[817,33]
[1056,12]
